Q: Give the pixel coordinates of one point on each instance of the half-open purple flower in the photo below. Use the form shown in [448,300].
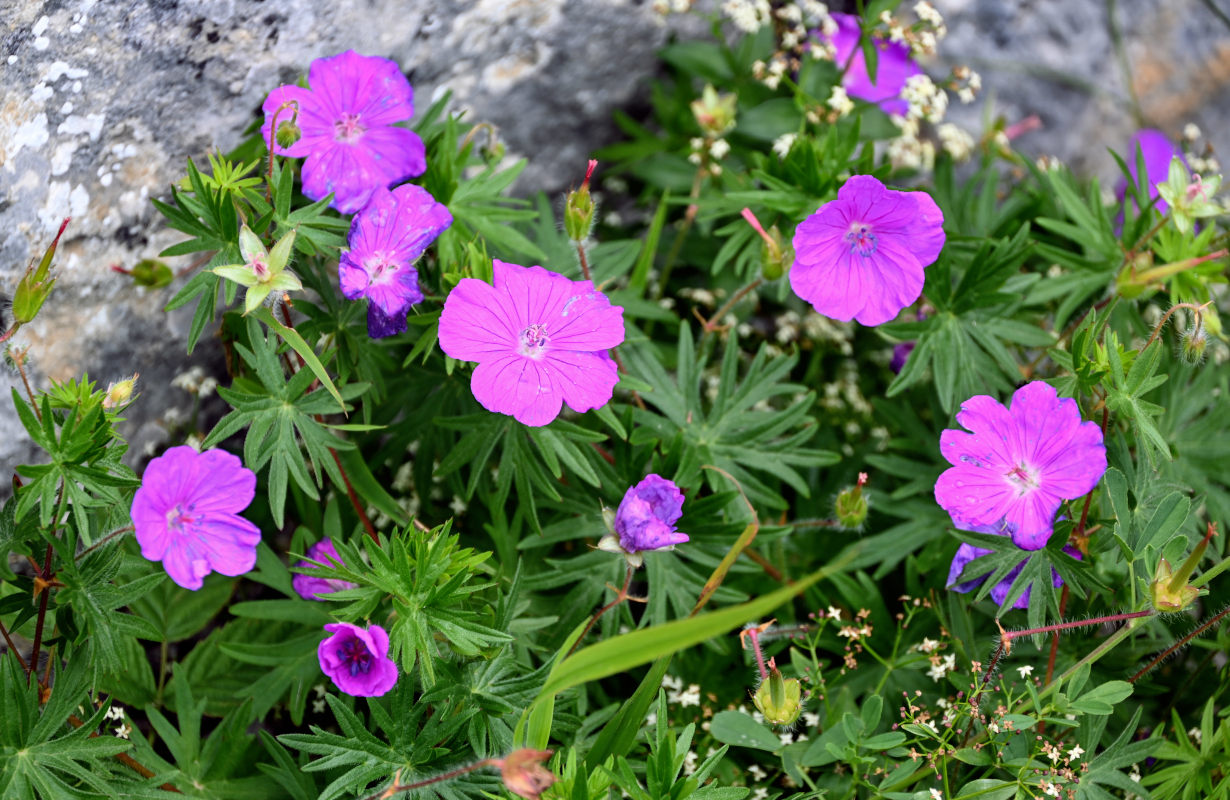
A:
[386,238]
[1017,464]
[186,515]
[862,255]
[357,659]
[968,552]
[645,519]
[540,340]
[894,66]
[312,588]
[346,121]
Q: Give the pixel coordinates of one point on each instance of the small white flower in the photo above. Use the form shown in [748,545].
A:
[115,712]
[1075,753]
[318,706]
[757,773]
[689,763]
[1025,671]
[993,727]
[719,149]
[811,720]
[786,737]
[123,730]
[840,102]
[834,613]
[1050,788]
[1191,131]
[936,794]
[783,143]
[458,505]
[1135,773]
[928,645]
[760,794]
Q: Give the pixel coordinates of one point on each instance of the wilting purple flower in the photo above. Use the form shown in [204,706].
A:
[1158,152]
[647,515]
[357,660]
[893,66]
[311,588]
[862,255]
[186,515]
[386,238]
[540,340]
[968,552]
[346,119]
[1018,464]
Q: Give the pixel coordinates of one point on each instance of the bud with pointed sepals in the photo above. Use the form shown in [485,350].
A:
[119,393]
[523,773]
[35,286]
[1170,589]
[851,504]
[148,272]
[779,699]
[1189,199]
[715,113]
[579,209]
[775,255]
[263,271]
[288,133]
[1193,343]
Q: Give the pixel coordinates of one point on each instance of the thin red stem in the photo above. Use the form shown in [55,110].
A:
[1179,644]
[13,648]
[456,773]
[1080,623]
[42,614]
[619,598]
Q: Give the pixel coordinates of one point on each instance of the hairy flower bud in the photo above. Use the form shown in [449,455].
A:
[35,286]
[119,393]
[779,699]
[851,506]
[579,209]
[1193,343]
[288,133]
[524,774]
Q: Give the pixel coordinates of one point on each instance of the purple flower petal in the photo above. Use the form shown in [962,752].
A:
[345,119]
[894,67]
[862,255]
[184,515]
[968,552]
[1018,464]
[357,659]
[647,515]
[540,339]
[312,588]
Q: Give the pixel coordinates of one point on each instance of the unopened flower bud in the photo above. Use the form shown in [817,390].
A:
[851,506]
[288,133]
[36,285]
[1192,345]
[775,255]
[119,393]
[779,699]
[579,209]
[715,113]
[152,273]
[524,774]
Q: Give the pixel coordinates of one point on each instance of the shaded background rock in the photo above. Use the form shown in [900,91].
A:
[101,102]
[1058,59]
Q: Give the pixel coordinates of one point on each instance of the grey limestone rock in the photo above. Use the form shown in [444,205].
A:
[101,102]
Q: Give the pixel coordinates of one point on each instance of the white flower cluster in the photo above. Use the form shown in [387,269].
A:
[665,7]
[970,83]
[195,382]
[956,142]
[783,143]
[748,15]
[908,151]
[840,102]
[927,101]
[717,149]
[770,74]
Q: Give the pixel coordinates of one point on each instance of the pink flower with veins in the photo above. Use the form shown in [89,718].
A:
[540,340]
[346,119]
[862,255]
[1016,465]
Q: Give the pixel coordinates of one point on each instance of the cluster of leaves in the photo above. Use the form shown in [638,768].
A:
[470,535]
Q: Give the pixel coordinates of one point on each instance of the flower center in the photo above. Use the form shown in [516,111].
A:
[861,239]
[533,341]
[260,269]
[353,652]
[178,518]
[381,267]
[1023,479]
[347,129]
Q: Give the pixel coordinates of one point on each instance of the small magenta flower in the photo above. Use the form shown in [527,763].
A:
[386,238]
[346,126]
[357,659]
[968,552]
[893,66]
[1017,464]
[540,340]
[312,588]
[186,515]
[646,519]
[862,255]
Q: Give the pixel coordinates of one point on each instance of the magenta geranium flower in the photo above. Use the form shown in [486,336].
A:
[186,515]
[862,255]
[1017,464]
[357,659]
[386,238]
[311,588]
[346,122]
[540,340]
[893,66]
[968,552]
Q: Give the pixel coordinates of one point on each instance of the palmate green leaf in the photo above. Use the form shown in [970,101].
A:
[1105,767]
[738,431]
[42,755]
[1125,392]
